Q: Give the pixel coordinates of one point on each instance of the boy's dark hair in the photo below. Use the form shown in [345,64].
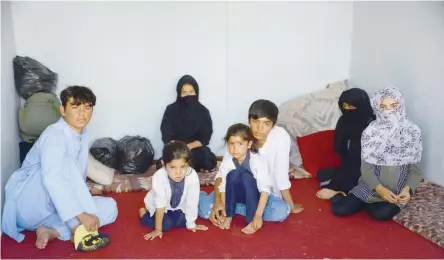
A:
[79,94]
[245,133]
[263,108]
[175,150]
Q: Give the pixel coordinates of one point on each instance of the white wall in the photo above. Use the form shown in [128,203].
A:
[132,54]
[10,159]
[402,44]
[280,50]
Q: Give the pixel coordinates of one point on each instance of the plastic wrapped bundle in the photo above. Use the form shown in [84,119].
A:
[134,154]
[30,77]
[104,150]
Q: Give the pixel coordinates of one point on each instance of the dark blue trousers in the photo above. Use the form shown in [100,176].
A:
[241,188]
[170,219]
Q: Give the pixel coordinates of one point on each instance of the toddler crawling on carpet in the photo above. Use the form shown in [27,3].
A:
[174,197]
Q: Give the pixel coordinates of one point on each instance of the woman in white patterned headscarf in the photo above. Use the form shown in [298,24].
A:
[391,151]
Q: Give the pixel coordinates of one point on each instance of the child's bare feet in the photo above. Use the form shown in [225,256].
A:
[226,223]
[44,235]
[249,229]
[326,194]
[142,211]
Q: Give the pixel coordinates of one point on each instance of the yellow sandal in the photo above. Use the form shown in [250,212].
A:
[85,241]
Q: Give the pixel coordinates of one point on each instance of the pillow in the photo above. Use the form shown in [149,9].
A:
[317,151]
[98,172]
[311,113]
[423,214]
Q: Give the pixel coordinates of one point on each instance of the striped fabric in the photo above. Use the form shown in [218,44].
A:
[402,178]
[363,191]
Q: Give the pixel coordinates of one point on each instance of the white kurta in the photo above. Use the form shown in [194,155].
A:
[258,167]
[276,150]
[160,195]
[49,189]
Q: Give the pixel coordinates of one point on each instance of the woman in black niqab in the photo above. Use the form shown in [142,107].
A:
[189,121]
[357,113]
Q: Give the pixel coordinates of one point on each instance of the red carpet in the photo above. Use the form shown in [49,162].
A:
[314,233]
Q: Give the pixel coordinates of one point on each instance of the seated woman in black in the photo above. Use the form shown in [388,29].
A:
[189,121]
[357,113]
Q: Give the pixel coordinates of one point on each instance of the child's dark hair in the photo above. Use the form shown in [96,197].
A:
[243,131]
[79,94]
[263,108]
[175,150]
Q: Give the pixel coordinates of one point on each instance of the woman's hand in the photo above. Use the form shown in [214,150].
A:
[404,196]
[386,194]
[194,144]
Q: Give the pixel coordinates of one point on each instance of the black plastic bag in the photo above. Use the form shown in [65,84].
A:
[30,77]
[134,154]
[104,150]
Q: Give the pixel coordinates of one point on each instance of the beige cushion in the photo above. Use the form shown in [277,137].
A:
[311,113]
[98,172]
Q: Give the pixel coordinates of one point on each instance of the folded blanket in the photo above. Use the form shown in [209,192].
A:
[137,182]
[142,182]
[423,214]
[124,183]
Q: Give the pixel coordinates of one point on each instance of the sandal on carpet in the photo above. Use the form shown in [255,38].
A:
[85,241]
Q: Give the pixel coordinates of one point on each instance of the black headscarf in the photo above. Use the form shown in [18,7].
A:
[347,139]
[187,119]
[187,79]
[352,122]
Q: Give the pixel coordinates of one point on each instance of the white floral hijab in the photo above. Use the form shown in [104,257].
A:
[391,139]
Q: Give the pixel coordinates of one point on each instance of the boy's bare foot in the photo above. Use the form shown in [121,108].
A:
[298,208]
[326,194]
[226,223]
[44,235]
[142,211]
[249,229]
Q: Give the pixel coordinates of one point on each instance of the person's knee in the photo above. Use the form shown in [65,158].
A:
[282,210]
[385,213]
[324,175]
[114,211]
[320,175]
[109,211]
[181,221]
[341,210]
[277,210]
[145,220]
[232,176]
[247,178]
[167,224]
[211,161]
